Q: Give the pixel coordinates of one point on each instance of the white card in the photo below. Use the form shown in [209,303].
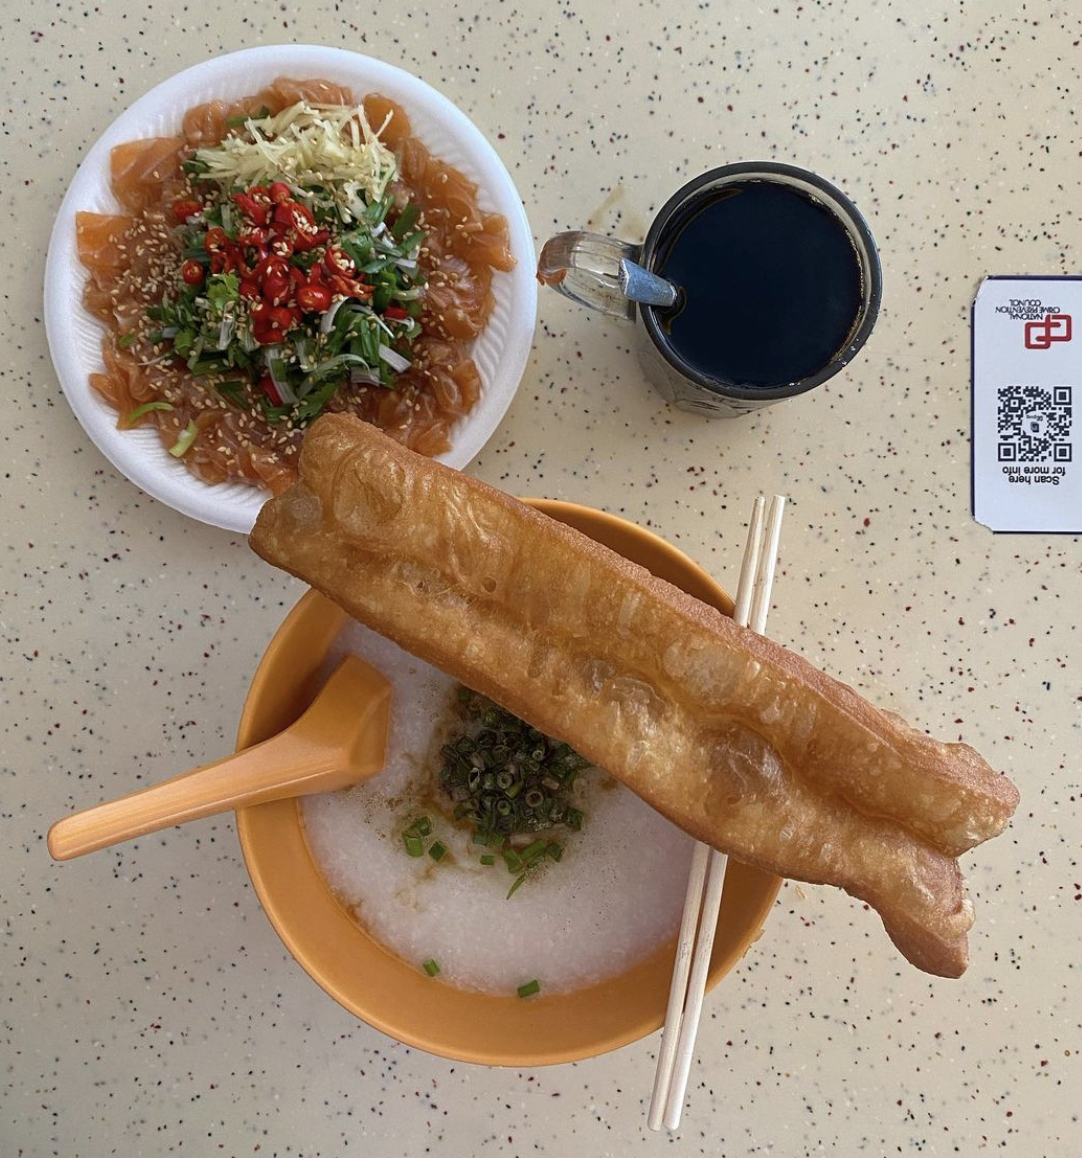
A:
[1027,379]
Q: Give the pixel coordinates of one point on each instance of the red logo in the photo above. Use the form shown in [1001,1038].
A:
[1051,328]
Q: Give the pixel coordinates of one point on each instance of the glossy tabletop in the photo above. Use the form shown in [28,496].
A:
[146,1005]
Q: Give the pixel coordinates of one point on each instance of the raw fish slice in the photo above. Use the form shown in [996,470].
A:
[287,91]
[208,124]
[140,167]
[377,109]
[97,238]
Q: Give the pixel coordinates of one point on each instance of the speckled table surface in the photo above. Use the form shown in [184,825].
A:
[147,1007]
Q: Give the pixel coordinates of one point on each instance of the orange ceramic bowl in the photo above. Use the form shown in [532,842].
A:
[374,984]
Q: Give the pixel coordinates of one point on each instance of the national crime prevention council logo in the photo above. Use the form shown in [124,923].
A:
[1051,328]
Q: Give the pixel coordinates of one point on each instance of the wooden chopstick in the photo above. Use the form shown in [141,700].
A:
[674,1012]
[693,898]
[701,909]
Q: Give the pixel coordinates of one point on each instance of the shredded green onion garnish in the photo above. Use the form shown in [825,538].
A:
[431,967]
[146,408]
[488,858]
[529,989]
[437,850]
[185,440]
[415,846]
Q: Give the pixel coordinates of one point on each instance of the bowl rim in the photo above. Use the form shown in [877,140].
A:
[248,819]
[139,455]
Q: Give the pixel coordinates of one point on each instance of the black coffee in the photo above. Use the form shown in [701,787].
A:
[770,284]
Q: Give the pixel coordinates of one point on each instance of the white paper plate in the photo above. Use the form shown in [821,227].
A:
[501,351]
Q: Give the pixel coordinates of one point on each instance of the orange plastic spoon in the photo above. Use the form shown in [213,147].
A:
[340,740]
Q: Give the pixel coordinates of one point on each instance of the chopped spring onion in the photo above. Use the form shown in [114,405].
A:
[364,377]
[529,989]
[534,851]
[330,369]
[412,244]
[378,209]
[232,390]
[414,839]
[212,364]
[273,413]
[313,402]
[352,206]
[407,219]
[393,359]
[225,331]
[506,780]
[520,880]
[276,368]
[146,408]
[304,356]
[431,967]
[227,217]
[184,441]
[529,860]
[383,326]
[326,323]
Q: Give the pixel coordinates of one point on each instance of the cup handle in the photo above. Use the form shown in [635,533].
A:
[602,273]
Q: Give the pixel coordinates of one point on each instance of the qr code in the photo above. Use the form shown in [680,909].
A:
[1034,423]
